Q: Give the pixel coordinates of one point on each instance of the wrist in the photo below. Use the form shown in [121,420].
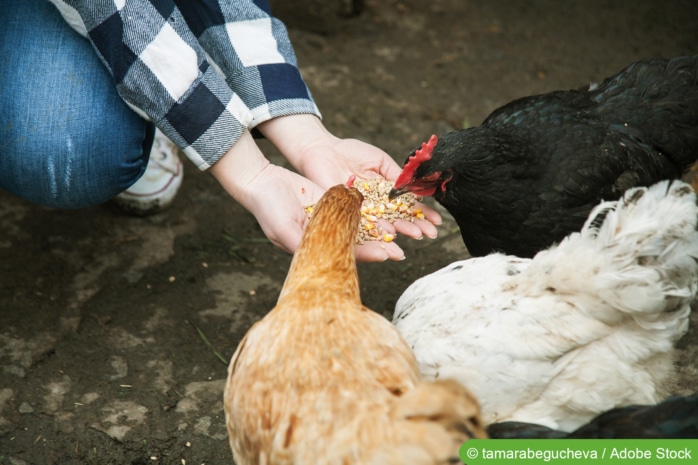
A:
[237,169]
[292,135]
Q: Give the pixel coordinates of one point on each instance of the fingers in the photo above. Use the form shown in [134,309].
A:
[416,230]
[369,251]
[430,214]
[420,228]
[390,170]
[378,251]
[406,228]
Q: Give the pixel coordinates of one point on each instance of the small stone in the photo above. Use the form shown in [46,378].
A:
[24,407]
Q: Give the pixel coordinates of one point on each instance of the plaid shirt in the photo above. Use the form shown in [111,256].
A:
[201,70]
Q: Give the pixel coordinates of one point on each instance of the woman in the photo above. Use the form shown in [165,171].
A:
[93,93]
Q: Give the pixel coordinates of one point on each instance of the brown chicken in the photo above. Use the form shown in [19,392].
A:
[322,379]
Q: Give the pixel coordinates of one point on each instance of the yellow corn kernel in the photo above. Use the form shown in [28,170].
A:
[372,218]
[369,226]
[419,216]
[388,237]
[364,185]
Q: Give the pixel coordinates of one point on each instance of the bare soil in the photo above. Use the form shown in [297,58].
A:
[115,331]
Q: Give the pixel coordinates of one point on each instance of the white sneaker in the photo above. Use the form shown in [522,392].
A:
[157,188]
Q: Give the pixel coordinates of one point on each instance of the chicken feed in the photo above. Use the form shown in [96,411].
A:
[377,206]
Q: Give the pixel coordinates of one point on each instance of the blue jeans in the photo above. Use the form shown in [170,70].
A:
[67,140]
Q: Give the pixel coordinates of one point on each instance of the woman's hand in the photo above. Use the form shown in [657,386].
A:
[328,160]
[277,197]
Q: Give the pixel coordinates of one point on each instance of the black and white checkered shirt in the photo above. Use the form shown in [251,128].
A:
[201,70]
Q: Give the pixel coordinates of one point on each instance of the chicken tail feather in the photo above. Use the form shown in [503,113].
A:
[638,254]
[437,417]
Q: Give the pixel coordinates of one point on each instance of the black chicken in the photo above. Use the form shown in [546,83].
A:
[531,173]
[675,418]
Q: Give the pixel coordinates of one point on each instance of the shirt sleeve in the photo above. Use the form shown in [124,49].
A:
[253,51]
[161,70]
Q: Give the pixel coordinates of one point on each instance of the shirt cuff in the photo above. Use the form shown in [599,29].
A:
[207,121]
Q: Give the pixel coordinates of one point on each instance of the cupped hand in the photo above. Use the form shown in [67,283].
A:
[278,198]
[275,196]
[328,160]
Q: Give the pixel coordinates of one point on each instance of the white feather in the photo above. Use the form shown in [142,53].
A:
[583,327]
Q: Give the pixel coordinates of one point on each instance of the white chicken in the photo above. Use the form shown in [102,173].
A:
[583,327]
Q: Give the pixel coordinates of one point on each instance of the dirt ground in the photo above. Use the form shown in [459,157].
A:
[115,331]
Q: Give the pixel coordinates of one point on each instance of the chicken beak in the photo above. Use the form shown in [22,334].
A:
[397,192]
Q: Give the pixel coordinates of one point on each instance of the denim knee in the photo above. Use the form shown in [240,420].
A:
[70,169]
[67,140]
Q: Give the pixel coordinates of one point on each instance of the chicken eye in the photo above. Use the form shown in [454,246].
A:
[432,177]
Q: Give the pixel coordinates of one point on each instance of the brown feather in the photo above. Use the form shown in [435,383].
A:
[323,379]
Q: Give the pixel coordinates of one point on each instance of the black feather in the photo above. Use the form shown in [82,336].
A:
[675,418]
[532,172]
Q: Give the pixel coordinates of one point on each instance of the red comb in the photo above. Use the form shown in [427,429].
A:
[413,162]
[350,182]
